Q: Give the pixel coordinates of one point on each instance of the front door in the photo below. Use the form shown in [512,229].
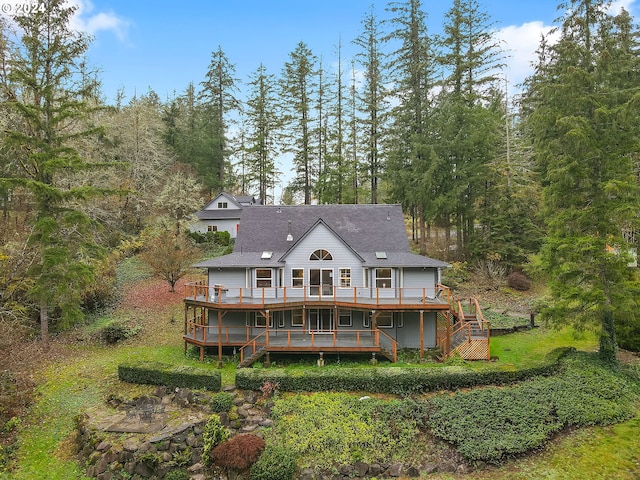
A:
[321,320]
[321,281]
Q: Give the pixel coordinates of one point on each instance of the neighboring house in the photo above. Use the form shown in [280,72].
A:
[223,214]
[325,279]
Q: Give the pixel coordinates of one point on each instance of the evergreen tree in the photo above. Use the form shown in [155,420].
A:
[470,125]
[299,88]
[373,98]
[262,124]
[218,100]
[410,151]
[46,95]
[583,117]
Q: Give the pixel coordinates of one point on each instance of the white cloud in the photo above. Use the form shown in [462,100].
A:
[521,43]
[85,20]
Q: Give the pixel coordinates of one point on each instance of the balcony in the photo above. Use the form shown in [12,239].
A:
[223,297]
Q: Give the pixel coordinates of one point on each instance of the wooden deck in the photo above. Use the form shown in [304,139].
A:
[219,297]
[292,341]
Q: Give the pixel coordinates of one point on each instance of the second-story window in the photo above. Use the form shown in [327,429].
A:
[263,278]
[321,254]
[222,205]
[383,278]
[297,277]
[345,277]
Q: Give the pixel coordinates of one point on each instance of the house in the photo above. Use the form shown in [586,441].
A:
[223,213]
[326,279]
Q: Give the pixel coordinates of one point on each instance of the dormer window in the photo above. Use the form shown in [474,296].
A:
[321,254]
[223,205]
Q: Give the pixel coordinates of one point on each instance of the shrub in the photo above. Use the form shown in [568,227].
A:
[518,281]
[154,373]
[221,402]
[117,332]
[176,475]
[493,424]
[238,453]
[399,381]
[275,463]
[214,434]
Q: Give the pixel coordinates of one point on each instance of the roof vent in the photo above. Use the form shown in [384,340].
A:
[289,236]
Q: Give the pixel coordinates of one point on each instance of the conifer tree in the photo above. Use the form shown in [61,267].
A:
[299,88]
[583,117]
[263,121]
[372,101]
[46,95]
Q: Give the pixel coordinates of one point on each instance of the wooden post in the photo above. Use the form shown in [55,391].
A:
[219,336]
[421,333]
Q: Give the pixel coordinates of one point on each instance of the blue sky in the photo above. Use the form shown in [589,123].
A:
[167,44]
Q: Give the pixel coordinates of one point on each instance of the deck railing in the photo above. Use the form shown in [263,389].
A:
[311,340]
[219,294]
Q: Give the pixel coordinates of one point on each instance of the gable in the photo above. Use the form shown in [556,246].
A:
[223,201]
[320,236]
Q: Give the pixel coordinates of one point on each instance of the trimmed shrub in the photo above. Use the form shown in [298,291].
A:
[399,381]
[275,463]
[518,281]
[182,376]
[238,453]
[221,402]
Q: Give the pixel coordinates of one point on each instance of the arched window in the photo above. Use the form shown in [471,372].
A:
[321,254]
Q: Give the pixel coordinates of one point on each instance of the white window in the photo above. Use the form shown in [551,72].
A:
[263,278]
[321,254]
[344,318]
[345,277]
[297,277]
[296,318]
[222,205]
[383,278]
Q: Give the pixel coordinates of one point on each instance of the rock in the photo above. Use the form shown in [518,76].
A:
[196,468]
[243,412]
[267,422]
[447,466]
[131,445]
[160,391]
[412,472]
[130,467]
[251,397]
[192,441]
[306,474]
[361,468]
[395,470]
[166,456]
[144,470]
[375,469]
[229,388]
[346,470]
[461,470]
[103,446]
[429,468]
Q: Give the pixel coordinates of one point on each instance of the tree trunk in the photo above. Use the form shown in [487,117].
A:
[608,343]
[44,320]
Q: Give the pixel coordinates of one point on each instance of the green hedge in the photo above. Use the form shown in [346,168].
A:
[154,373]
[399,381]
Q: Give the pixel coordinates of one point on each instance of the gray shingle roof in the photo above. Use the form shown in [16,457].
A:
[365,228]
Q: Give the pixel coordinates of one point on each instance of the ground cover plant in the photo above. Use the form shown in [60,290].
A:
[490,424]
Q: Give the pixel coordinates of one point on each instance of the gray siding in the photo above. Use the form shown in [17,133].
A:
[408,336]
[415,279]
[343,257]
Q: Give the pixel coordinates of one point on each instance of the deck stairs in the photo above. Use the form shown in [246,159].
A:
[468,335]
[253,358]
